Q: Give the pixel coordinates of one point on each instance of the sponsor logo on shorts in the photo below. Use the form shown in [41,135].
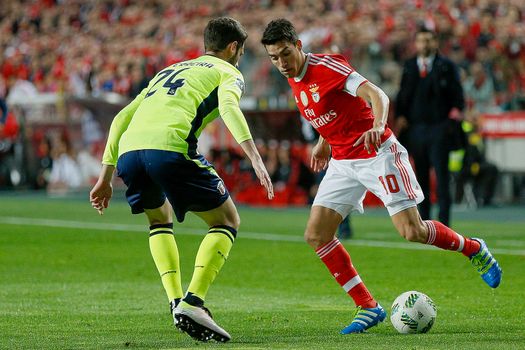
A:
[221,188]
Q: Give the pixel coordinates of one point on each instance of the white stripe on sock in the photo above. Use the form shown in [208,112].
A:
[461,242]
[431,232]
[352,283]
[326,249]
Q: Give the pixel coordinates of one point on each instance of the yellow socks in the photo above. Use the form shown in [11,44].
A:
[210,258]
[166,256]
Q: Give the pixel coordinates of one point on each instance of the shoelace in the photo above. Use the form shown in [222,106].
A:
[361,314]
[480,261]
[357,311]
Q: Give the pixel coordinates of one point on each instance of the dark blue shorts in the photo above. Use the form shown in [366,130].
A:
[190,184]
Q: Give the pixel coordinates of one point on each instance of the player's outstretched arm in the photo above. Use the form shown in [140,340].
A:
[101,193]
[249,148]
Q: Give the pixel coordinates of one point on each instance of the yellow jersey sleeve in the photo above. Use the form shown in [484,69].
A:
[229,94]
[118,126]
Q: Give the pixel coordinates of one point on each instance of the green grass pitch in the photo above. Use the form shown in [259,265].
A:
[71,279]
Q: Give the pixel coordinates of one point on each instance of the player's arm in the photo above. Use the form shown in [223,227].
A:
[102,192]
[229,96]
[119,124]
[379,102]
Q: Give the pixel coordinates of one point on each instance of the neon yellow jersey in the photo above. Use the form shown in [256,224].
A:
[177,104]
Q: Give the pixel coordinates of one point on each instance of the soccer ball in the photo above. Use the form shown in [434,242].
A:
[413,312]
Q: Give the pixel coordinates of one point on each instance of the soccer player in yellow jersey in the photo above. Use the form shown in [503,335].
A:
[152,143]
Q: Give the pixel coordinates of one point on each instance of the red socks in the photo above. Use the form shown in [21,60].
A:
[337,260]
[443,237]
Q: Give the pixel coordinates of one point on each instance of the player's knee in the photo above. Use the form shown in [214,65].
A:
[413,232]
[310,238]
[314,239]
[233,220]
[236,222]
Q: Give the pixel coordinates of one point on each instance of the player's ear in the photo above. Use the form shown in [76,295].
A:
[299,45]
[232,47]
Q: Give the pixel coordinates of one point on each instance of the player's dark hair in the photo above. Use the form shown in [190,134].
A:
[220,32]
[279,30]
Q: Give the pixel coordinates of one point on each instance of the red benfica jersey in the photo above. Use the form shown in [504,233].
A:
[322,96]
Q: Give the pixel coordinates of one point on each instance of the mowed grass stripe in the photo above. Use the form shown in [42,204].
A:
[22,221]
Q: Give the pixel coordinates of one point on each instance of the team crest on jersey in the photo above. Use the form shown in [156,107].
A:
[221,188]
[240,84]
[304,98]
[315,95]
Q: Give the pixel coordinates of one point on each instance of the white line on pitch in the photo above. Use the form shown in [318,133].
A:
[10,220]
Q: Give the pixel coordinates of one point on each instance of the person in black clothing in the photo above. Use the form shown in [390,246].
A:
[3,114]
[476,168]
[429,102]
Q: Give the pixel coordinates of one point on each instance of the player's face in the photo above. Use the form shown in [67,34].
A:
[425,44]
[287,57]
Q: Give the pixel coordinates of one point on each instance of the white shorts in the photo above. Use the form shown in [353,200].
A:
[389,176]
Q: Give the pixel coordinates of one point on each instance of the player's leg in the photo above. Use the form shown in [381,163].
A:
[411,227]
[145,195]
[390,177]
[165,252]
[339,193]
[320,235]
[213,252]
[344,231]
[223,223]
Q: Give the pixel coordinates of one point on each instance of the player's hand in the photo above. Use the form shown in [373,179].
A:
[320,156]
[264,178]
[371,139]
[100,195]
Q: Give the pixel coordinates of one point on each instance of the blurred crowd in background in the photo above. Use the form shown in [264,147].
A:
[89,48]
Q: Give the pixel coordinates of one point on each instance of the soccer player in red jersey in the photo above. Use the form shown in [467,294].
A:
[360,153]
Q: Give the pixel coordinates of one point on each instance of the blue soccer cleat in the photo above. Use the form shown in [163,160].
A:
[486,265]
[364,319]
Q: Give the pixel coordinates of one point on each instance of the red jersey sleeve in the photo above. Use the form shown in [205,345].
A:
[337,66]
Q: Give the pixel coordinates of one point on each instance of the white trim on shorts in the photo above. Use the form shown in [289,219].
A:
[346,182]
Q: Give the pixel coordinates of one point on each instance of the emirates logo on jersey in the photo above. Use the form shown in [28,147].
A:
[323,119]
[315,94]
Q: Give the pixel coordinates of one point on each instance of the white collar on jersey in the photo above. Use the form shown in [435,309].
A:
[303,72]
